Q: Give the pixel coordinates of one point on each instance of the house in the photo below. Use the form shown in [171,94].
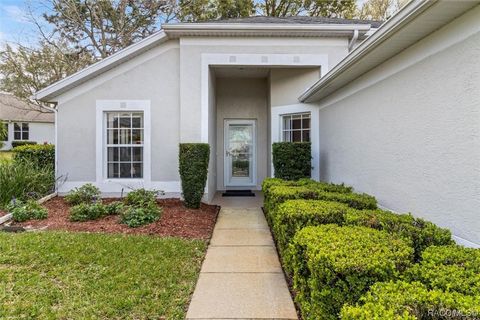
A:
[393,112]
[25,122]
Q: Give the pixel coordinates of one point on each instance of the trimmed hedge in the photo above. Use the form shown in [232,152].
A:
[279,194]
[306,182]
[422,233]
[335,265]
[410,301]
[37,155]
[193,160]
[292,160]
[448,268]
[293,215]
[18,143]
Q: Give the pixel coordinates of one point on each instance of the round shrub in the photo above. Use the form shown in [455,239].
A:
[141,197]
[292,160]
[334,265]
[411,301]
[114,208]
[422,233]
[37,155]
[193,161]
[85,194]
[448,268]
[138,216]
[87,211]
[23,211]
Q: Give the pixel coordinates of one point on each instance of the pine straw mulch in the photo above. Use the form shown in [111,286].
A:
[176,221]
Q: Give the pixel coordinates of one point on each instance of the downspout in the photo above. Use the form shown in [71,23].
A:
[353,40]
[55,111]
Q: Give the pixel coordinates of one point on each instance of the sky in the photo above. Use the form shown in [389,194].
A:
[15,26]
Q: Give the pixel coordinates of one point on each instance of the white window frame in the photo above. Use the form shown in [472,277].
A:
[20,124]
[104,106]
[290,115]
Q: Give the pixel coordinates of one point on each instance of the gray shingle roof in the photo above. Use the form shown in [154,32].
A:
[14,109]
[297,20]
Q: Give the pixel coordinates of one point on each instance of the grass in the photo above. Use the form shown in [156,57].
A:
[58,275]
[6,155]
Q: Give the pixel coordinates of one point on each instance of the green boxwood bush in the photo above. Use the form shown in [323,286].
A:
[293,215]
[292,160]
[23,211]
[329,187]
[448,268]
[279,194]
[335,265]
[412,301]
[84,194]
[87,211]
[38,155]
[422,233]
[193,161]
[18,143]
[138,216]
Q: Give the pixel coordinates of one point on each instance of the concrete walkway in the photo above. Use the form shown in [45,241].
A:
[241,277]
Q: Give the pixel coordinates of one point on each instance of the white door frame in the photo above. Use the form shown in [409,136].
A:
[226,164]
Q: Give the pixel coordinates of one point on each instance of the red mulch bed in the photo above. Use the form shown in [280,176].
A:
[176,221]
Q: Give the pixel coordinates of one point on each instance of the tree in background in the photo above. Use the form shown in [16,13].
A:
[26,70]
[380,9]
[3,133]
[202,10]
[315,8]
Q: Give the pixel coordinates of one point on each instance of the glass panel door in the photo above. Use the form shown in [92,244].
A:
[240,147]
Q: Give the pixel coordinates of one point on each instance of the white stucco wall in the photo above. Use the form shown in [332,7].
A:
[153,76]
[408,132]
[40,132]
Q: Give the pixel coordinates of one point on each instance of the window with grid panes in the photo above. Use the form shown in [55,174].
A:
[124,144]
[296,127]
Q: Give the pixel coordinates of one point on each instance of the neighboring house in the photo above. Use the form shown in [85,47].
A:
[25,122]
[397,117]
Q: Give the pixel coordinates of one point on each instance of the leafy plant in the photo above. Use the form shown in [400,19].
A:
[38,155]
[193,159]
[87,211]
[22,181]
[138,216]
[335,265]
[23,211]
[141,197]
[292,160]
[85,194]
[114,208]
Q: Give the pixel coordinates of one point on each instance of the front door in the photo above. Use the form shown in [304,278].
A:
[240,153]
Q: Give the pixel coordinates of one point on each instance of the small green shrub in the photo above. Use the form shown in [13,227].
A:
[335,265]
[141,197]
[23,211]
[18,143]
[138,216]
[422,233]
[279,194]
[23,181]
[38,155]
[85,194]
[193,161]
[448,268]
[293,215]
[87,211]
[411,301]
[328,187]
[114,208]
[292,160]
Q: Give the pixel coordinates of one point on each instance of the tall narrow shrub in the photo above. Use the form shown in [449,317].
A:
[193,160]
[292,160]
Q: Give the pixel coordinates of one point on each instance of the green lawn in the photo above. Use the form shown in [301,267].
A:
[6,155]
[58,275]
